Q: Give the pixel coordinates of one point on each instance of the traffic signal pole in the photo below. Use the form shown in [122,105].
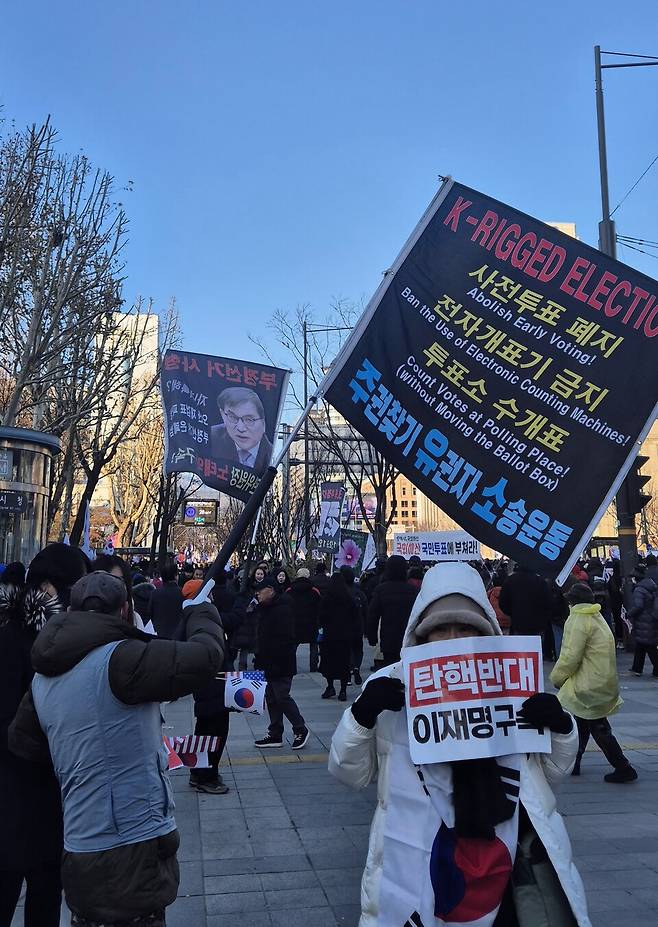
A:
[608,244]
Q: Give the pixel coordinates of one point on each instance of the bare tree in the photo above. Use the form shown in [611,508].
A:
[334,442]
[140,339]
[173,490]
[135,480]
[61,237]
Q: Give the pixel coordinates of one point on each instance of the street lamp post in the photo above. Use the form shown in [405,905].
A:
[608,244]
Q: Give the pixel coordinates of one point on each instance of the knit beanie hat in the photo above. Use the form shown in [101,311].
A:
[303,573]
[580,594]
[453,609]
[192,588]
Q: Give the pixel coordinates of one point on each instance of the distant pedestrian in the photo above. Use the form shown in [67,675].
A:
[306,603]
[143,602]
[282,581]
[586,675]
[652,567]
[361,602]
[13,574]
[167,602]
[524,596]
[389,609]
[493,595]
[616,600]
[339,620]
[212,716]
[244,639]
[276,657]
[643,615]
[415,576]
[559,615]
[320,578]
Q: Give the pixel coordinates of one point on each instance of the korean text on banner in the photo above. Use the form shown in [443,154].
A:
[332,496]
[494,366]
[437,545]
[463,698]
[221,417]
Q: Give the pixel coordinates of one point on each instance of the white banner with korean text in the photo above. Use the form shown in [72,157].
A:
[437,545]
[463,698]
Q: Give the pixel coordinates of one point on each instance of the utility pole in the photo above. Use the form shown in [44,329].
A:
[285,500]
[608,244]
[307,481]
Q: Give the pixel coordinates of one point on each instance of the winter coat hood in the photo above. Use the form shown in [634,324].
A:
[70,636]
[449,579]
[30,608]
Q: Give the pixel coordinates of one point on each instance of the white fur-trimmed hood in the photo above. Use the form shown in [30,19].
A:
[448,579]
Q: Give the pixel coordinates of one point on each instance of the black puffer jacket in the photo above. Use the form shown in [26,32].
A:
[641,614]
[526,598]
[30,806]
[306,602]
[389,609]
[117,884]
[339,617]
[166,609]
[209,698]
[276,638]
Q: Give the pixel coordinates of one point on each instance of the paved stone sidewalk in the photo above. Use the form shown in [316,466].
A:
[287,845]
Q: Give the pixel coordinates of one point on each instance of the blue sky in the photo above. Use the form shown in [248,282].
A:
[282,151]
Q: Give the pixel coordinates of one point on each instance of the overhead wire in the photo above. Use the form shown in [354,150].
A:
[628,193]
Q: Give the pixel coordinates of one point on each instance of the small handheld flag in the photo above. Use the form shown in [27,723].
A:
[246,692]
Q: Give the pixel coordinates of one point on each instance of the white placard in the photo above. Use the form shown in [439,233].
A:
[463,697]
[437,545]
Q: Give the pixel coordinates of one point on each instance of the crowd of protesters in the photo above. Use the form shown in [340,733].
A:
[89,650]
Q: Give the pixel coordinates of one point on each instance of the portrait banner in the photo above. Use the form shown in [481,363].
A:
[221,417]
[327,539]
[494,366]
[463,698]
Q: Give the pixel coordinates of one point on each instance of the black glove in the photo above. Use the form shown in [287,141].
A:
[383,694]
[544,710]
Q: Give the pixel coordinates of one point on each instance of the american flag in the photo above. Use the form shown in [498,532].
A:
[191,751]
[252,675]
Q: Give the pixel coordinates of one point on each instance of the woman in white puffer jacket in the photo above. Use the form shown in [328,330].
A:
[376,745]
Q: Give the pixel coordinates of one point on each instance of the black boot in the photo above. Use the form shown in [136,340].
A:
[357,678]
[329,692]
[342,695]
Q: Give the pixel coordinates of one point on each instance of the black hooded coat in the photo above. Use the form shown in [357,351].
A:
[30,807]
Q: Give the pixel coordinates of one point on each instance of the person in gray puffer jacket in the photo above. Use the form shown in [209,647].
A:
[94,709]
[644,616]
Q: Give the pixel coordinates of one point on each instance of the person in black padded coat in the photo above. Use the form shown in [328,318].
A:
[389,609]
[30,806]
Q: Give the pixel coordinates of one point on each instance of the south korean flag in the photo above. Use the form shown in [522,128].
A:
[245,692]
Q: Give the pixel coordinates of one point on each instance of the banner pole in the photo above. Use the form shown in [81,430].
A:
[255,501]
[250,551]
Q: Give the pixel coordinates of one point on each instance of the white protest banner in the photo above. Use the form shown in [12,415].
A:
[437,545]
[332,496]
[463,698]
[245,692]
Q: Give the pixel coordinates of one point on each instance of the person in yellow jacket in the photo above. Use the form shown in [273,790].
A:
[586,675]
